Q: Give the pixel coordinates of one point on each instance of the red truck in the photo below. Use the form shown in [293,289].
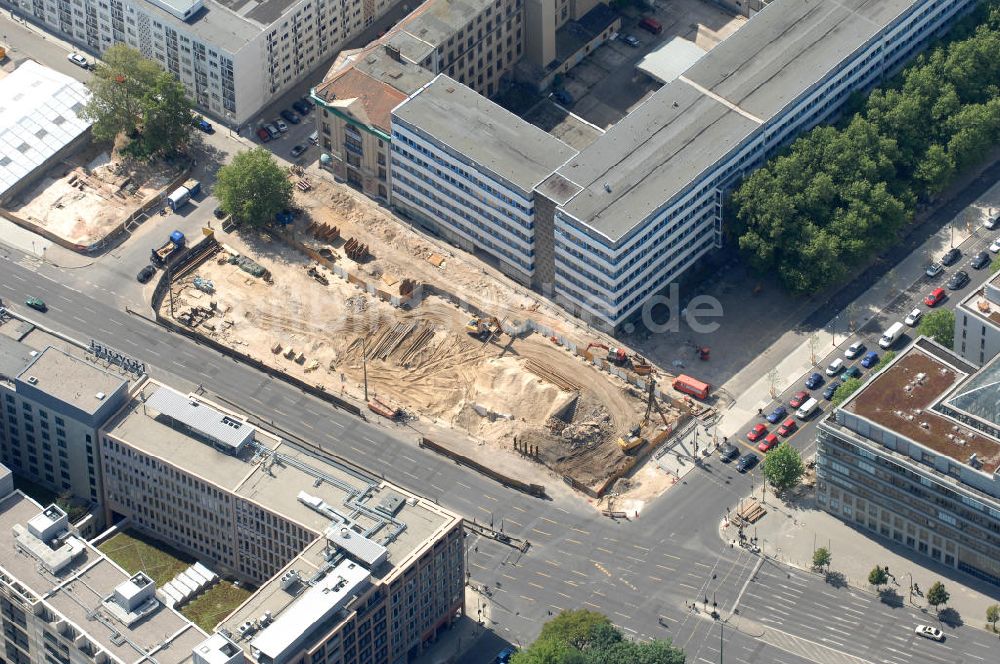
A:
[692,386]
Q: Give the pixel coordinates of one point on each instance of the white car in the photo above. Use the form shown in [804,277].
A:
[280,124]
[992,221]
[854,350]
[78,60]
[928,632]
[913,317]
[995,247]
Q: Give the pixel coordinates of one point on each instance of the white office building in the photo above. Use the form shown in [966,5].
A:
[466,168]
[641,204]
[233,56]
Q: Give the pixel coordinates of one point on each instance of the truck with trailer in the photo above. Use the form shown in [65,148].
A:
[179,197]
[174,244]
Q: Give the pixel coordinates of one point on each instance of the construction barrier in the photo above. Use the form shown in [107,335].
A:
[536,490]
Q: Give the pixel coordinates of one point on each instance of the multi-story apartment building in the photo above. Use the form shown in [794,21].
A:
[53,405]
[543,18]
[62,601]
[356,99]
[233,57]
[914,456]
[467,168]
[350,569]
[641,204]
[977,323]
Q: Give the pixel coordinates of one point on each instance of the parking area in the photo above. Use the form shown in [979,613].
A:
[606,85]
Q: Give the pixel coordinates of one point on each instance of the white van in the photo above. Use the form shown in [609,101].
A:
[835,367]
[807,409]
[891,335]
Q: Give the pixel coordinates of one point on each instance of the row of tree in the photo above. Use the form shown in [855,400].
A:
[842,194]
[588,637]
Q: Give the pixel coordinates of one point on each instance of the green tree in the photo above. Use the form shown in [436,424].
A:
[937,595]
[846,389]
[878,577]
[889,356]
[253,188]
[133,96]
[821,558]
[939,325]
[993,615]
[995,266]
[783,467]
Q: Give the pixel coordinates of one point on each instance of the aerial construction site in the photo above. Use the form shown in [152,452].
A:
[345,295]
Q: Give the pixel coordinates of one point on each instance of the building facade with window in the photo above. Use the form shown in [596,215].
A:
[466,168]
[53,405]
[233,57]
[914,457]
[977,323]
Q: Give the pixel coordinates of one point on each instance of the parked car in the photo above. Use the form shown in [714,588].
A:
[951,256]
[202,124]
[78,60]
[145,274]
[264,135]
[770,440]
[958,280]
[650,24]
[37,303]
[297,150]
[503,657]
[830,389]
[632,41]
[218,212]
[992,221]
[798,399]
[758,432]
[788,427]
[300,107]
[746,462]
[728,452]
[928,632]
[280,125]
[835,367]
[852,372]
[314,138]
[980,260]
[290,116]
[913,317]
[934,269]
[777,414]
[995,247]
[935,297]
[854,350]
[814,380]
[307,100]
[273,130]
[869,360]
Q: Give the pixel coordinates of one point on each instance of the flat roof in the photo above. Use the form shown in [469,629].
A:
[14,357]
[984,302]
[671,60]
[491,136]
[432,23]
[659,149]
[71,380]
[904,398]
[225,25]
[227,430]
[40,114]
[80,589]
[642,161]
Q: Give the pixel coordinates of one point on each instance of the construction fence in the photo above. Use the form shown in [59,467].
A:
[536,490]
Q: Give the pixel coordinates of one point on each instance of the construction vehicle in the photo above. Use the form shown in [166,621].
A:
[616,355]
[174,244]
[483,327]
[635,439]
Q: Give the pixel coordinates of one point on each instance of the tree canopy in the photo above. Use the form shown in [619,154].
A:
[937,595]
[939,325]
[133,96]
[821,558]
[783,467]
[840,195]
[846,389]
[253,188]
[878,576]
[588,637]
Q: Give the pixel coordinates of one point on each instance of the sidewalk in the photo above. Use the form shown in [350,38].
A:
[791,530]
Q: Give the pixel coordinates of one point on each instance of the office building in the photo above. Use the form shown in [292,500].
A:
[53,405]
[350,568]
[467,168]
[914,457]
[62,600]
[560,34]
[977,323]
[233,57]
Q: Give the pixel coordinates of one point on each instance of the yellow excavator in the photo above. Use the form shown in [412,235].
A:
[634,439]
[484,327]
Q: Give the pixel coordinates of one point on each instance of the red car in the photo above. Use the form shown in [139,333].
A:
[935,298]
[756,433]
[800,398]
[788,427]
[770,441]
[264,135]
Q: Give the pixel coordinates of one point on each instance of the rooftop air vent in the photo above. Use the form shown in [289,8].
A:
[100,396]
[32,380]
